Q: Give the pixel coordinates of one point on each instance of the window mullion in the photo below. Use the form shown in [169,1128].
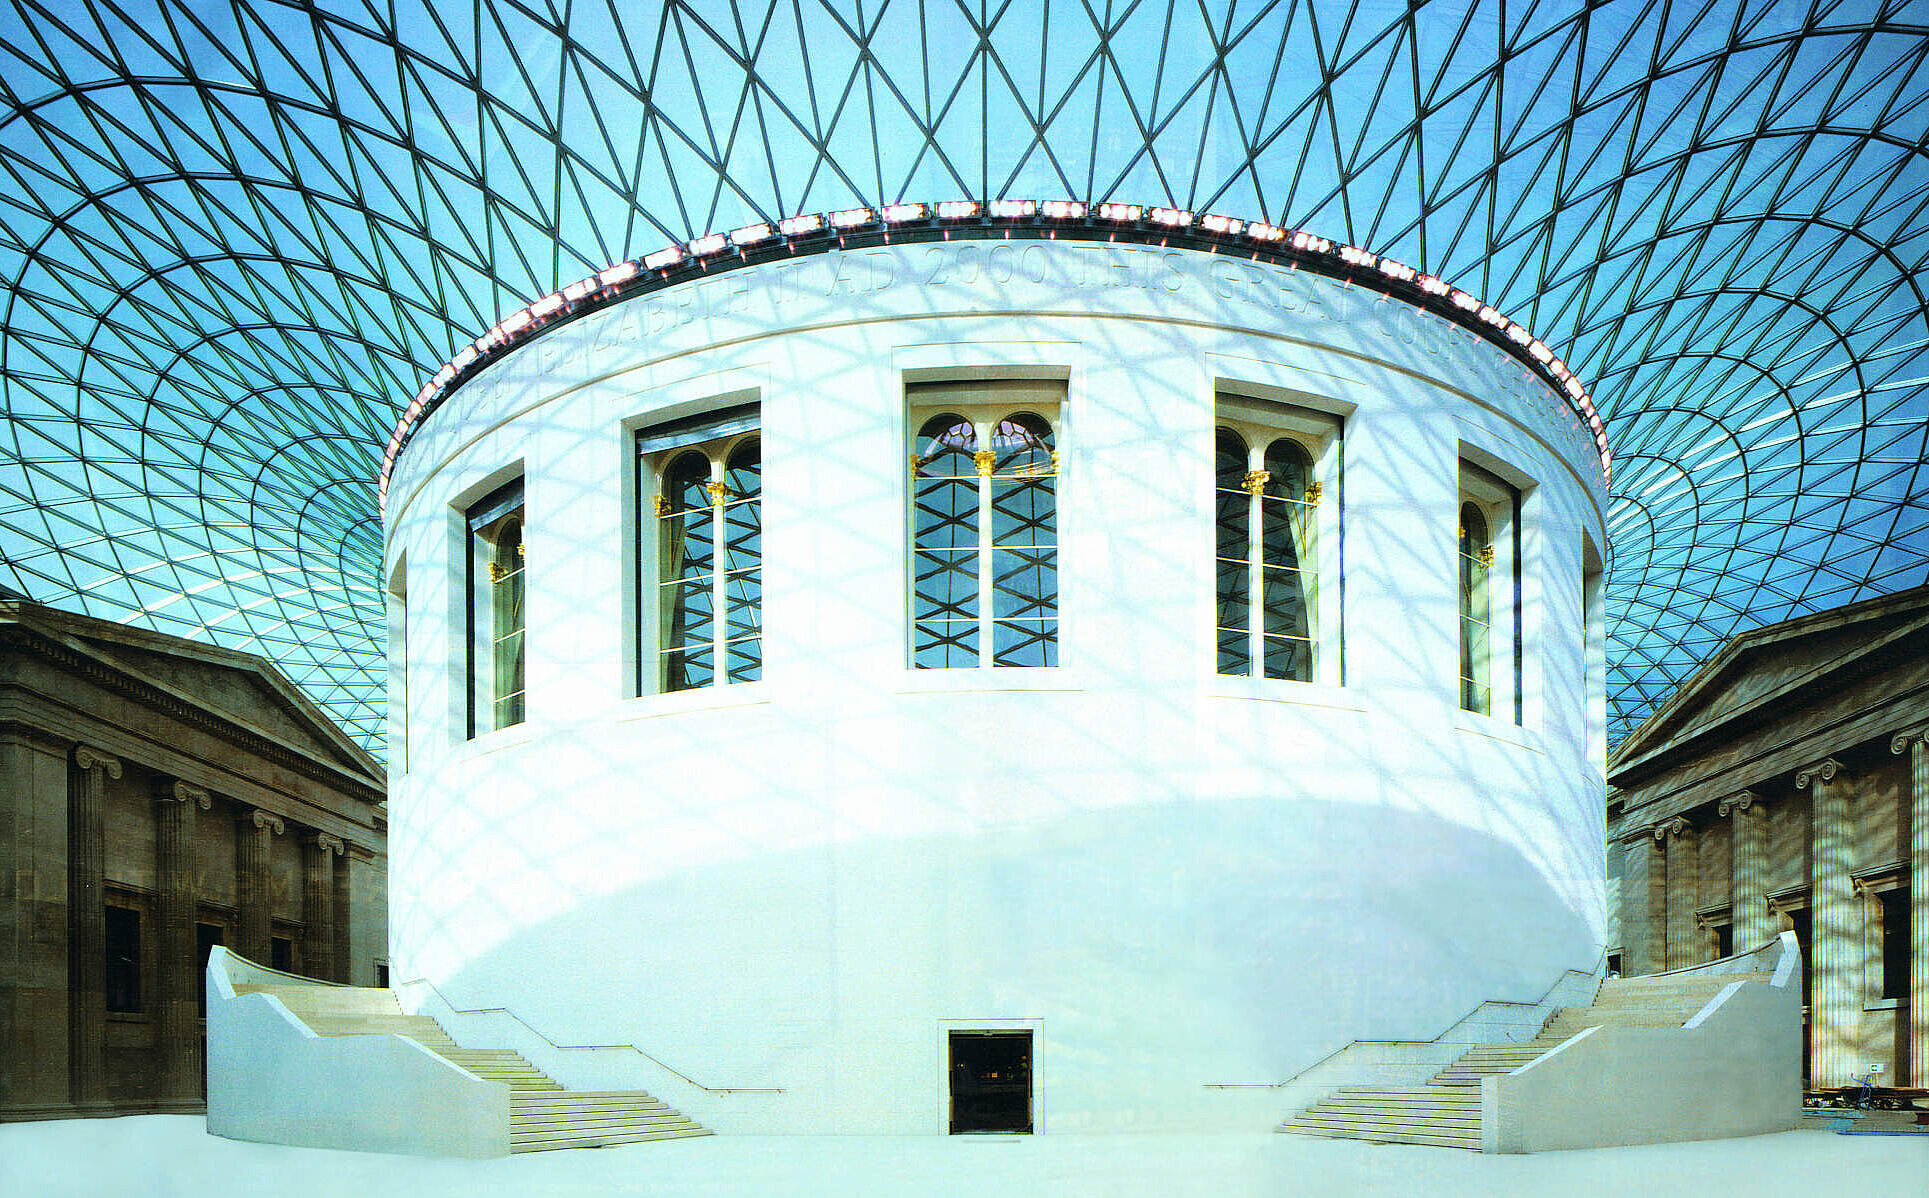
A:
[1255,561]
[984,460]
[718,578]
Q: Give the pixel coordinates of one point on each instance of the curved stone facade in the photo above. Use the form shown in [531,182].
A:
[1187,886]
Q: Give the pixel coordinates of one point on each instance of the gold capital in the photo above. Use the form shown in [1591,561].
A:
[1255,481]
[986,461]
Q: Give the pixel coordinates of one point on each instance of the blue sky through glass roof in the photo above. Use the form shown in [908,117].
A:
[236,238]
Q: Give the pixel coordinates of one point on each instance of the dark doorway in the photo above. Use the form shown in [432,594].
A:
[990,1082]
[1798,923]
[206,936]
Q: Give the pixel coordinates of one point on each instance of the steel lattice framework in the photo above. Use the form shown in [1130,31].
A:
[236,239]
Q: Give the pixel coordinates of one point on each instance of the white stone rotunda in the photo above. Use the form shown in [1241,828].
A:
[999,669]
[1047,672]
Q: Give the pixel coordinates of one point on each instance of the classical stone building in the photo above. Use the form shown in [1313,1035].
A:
[159,797]
[1786,785]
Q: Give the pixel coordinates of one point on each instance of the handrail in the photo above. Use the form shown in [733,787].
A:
[1488,1002]
[251,963]
[590,1047]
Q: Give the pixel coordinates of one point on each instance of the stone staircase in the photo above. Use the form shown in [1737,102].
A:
[1445,1111]
[542,1115]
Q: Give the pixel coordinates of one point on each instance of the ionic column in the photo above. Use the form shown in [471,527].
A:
[342,958]
[178,1015]
[1755,924]
[87,926]
[1916,743]
[318,905]
[1683,890]
[1837,932]
[1643,902]
[254,833]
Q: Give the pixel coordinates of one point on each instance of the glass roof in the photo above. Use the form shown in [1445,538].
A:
[237,238]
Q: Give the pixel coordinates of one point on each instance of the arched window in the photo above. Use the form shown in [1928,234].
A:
[1232,520]
[743,562]
[1286,561]
[496,619]
[1476,562]
[945,551]
[710,561]
[984,533]
[1265,517]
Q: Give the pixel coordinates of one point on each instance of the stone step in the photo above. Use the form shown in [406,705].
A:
[1414,1093]
[580,1111]
[603,1140]
[525,1123]
[1413,1120]
[603,1095]
[1387,1136]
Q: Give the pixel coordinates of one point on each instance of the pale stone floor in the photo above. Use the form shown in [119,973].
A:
[161,1156]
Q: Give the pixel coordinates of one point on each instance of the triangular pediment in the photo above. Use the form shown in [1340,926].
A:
[241,687]
[1757,671]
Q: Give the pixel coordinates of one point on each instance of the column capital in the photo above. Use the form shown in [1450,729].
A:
[246,817]
[1908,736]
[1678,826]
[326,843]
[1822,771]
[177,791]
[1741,800]
[87,757]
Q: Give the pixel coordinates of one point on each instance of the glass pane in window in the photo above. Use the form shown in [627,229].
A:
[1476,693]
[1024,582]
[1025,643]
[743,563]
[944,585]
[944,559]
[1024,511]
[1232,508]
[1021,446]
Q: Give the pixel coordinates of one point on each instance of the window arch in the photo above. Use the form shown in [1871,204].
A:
[496,618]
[1476,629]
[1266,499]
[710,566]
[984,540]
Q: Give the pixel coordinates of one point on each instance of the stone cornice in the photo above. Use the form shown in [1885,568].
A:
[1822,771]
[128,686]
[89,758]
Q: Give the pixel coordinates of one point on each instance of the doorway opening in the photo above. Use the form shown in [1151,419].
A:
[991,1083]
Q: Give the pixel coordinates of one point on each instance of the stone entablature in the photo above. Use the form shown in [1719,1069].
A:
[148,787]
[1780,787]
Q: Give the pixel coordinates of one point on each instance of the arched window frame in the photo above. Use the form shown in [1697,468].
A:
[498,623]
[1240,607]
[731,649]
[1492,563]
[1010,628]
